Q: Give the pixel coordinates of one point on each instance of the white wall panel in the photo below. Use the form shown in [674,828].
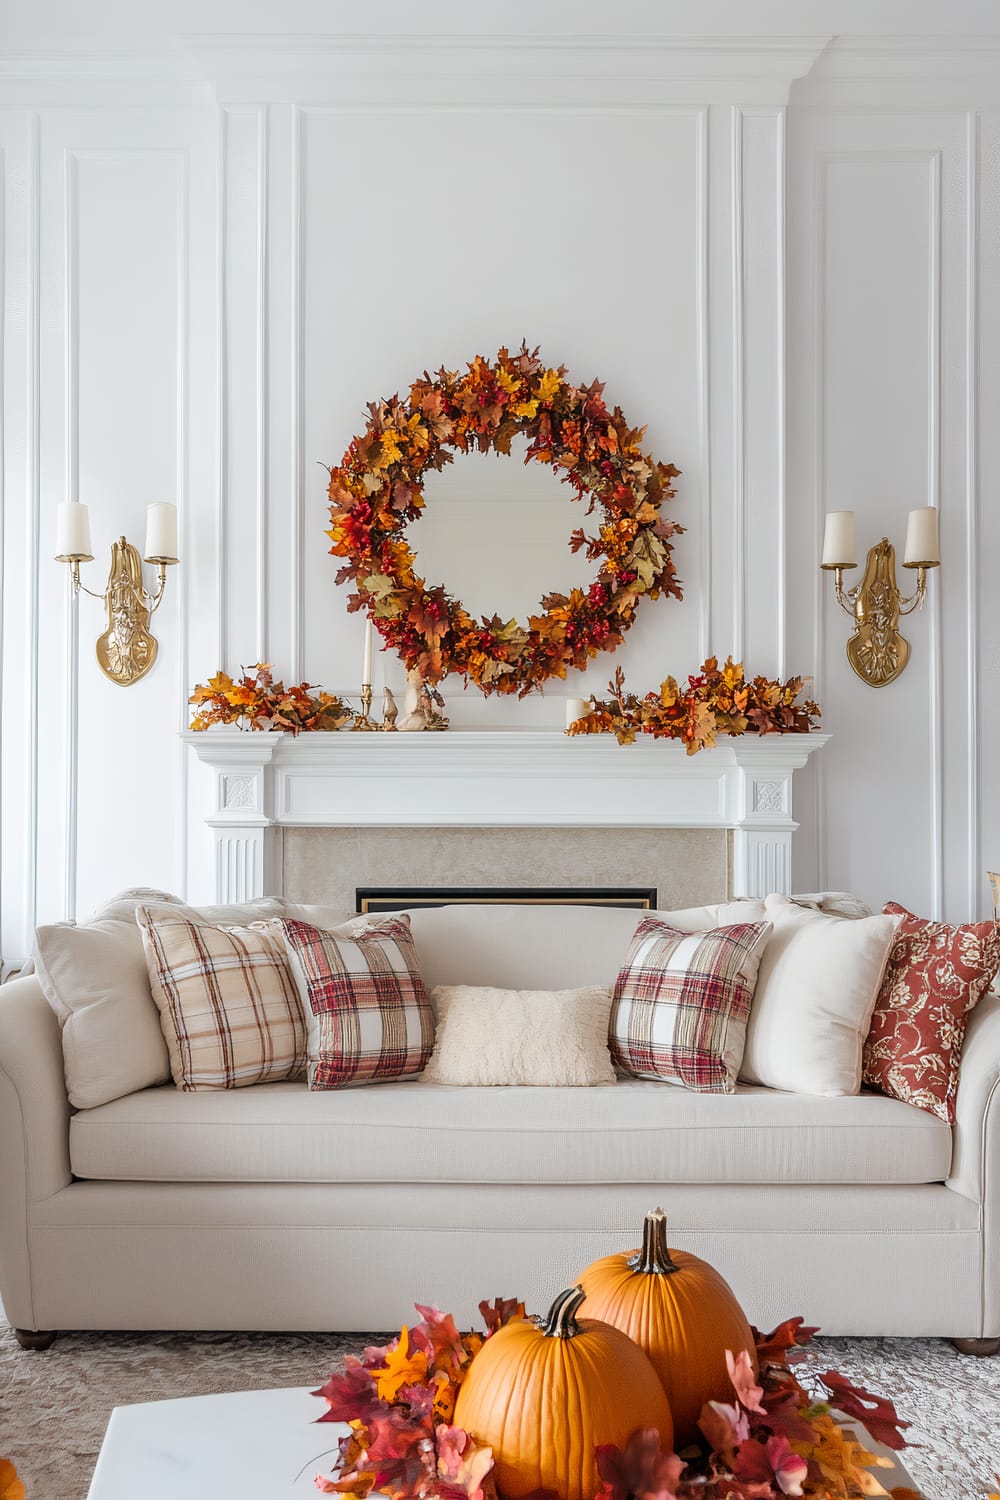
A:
[20,492]
[504,256]
[244,593]
[880,333]
[111,425]
[759,523]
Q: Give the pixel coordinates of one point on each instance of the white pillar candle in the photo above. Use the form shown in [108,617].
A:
[922,536]
[838,540]
[161,532]
[72,532]
[576,708]
[366,676]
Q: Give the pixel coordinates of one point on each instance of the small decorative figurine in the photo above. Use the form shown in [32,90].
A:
[413,717]
[431,704]
[389,710]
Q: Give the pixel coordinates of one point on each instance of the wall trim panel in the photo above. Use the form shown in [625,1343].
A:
[973,554]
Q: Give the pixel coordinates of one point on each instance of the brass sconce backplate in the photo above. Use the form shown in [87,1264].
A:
[876,650]
[126,651]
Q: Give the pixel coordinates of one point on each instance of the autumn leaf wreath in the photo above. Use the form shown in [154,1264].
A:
[378,489]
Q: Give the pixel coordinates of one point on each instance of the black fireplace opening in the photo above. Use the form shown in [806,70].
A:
[370,898]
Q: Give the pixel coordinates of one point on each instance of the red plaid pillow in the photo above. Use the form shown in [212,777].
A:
[935,975]
[367,1012]
[681,1004]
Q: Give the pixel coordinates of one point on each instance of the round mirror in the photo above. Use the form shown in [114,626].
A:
[496,532]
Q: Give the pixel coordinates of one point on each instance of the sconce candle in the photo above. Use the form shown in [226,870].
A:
[838,540]
[161,532]
[922,545]
[73,533]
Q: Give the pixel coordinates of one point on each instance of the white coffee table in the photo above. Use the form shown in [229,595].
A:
[233,1447]
[248,1445]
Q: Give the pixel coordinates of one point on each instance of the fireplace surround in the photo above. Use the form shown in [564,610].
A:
[313,817]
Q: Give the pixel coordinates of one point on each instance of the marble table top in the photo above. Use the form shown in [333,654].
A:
[245,1445]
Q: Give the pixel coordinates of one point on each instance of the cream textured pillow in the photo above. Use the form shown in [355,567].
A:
[94,977]
[539,1038]
[817,985]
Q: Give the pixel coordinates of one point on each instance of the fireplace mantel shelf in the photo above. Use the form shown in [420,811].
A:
[495,778]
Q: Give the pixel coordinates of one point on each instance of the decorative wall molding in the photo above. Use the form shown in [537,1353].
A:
[973,506]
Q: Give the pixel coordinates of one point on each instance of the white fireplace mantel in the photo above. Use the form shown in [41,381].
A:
[488,778]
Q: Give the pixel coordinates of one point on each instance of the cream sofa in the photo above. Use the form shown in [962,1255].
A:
[274,1208]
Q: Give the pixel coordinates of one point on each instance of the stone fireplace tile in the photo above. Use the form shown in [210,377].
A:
[689,867]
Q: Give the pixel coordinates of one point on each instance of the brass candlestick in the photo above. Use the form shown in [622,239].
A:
[363,720]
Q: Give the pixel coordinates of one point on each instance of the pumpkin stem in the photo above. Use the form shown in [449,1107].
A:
[654,1257]
[560,1322]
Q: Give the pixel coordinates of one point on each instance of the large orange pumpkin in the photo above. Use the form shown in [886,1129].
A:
[544,1395]
[680,1311]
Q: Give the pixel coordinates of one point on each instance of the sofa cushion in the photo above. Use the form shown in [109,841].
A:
[633,1131]
[681,1003]
[367,1013]
[816,990]
[94,977]
[544,947]
[534,1038]
[228,1004]
[935,977]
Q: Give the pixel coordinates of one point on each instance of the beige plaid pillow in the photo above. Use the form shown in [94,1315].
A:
[229,1007]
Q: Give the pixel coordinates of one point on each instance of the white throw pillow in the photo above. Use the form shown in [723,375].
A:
[540,1038]
[816,989]
[94,976]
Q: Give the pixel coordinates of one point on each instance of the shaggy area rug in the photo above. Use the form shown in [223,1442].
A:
[54,1406]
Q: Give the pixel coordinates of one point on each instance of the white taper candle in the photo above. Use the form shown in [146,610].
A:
[366,678]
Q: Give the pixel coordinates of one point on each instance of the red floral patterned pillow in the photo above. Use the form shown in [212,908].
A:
[934,977]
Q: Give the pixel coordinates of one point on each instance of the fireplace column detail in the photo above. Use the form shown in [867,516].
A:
[264,782]
[246,835]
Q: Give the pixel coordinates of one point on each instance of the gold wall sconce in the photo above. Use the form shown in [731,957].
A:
[126,651]
[876,650]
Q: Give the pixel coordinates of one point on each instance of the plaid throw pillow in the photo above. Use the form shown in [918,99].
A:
[229,1009]
[367,1011]
[681,1004]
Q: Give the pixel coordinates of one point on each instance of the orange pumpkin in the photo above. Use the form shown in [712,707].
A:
[543,1395]
[680,1311]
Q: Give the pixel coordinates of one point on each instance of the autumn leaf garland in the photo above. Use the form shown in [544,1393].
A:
[256,701]
[377,490]
[715,701]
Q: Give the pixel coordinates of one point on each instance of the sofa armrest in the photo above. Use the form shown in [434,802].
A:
[34,1132]
[975,1159]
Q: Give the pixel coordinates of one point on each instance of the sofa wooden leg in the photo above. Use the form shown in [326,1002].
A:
[30,1338]
[981,1348]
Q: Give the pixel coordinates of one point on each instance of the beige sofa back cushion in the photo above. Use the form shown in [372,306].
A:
[537,947]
